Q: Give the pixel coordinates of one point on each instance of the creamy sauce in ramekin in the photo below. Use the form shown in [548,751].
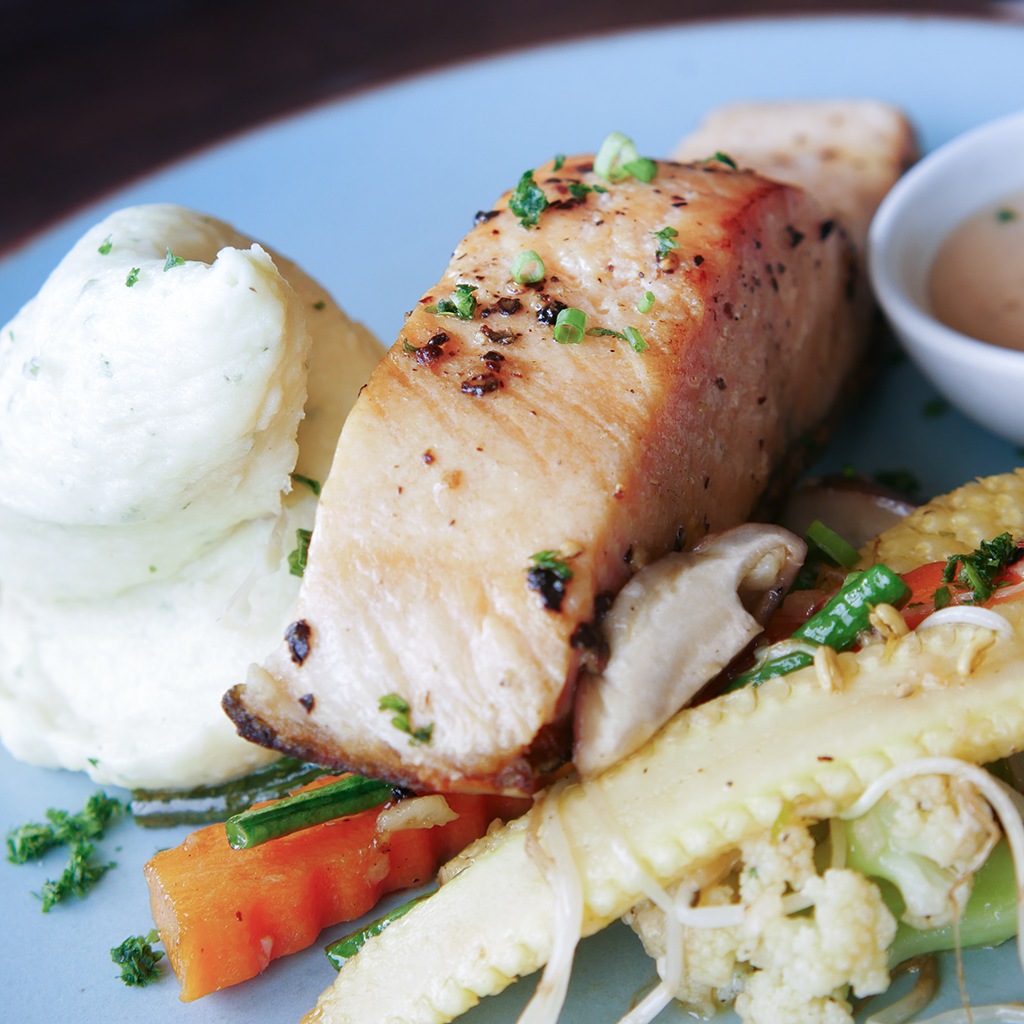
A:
[976,285]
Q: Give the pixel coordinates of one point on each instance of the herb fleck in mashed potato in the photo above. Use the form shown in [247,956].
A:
[156,398]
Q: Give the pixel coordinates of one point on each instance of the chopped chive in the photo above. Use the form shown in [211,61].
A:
[132,277]
[644,305]
[723,158]
[105,246]
[570,326]
[172,261]
[527,268]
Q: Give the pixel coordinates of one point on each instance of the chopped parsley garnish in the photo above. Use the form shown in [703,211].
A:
[133,276]
[979,569]
[666,240]
[79,877]
[313,485]
[553,562]
[942,597]
[570,326]
[528,268]
[723,158]
[393,702]
[407,348]
[1003,215]
[31,841]
[320,305]
[580,190]
[461,303]
[559,160]
[935,407]
[172,261]
[618,159]
[644,305]
[528,201]
[137,959]
[297,558]
[105,246]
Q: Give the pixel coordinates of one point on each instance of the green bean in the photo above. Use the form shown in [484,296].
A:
[203,805]
[304,810]
[344,948]
[837,625]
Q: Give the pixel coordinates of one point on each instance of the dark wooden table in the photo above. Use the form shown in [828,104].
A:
[93,94]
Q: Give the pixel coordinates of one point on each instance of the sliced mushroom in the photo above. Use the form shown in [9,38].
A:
[856,508]
[674,626]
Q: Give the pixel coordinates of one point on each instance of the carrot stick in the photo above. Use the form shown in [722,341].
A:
[224,914]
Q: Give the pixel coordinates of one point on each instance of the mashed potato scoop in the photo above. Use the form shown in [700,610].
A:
[166,401]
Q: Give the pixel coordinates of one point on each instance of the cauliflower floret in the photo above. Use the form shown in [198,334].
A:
[709,954]
[773,862]
[844,942]
[766,1000]
[927,836]
[792,969]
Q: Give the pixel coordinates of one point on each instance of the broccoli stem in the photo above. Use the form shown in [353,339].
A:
[989,918]
[836,625]
[338,799]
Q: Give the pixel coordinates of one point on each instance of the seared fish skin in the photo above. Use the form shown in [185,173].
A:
[480,443]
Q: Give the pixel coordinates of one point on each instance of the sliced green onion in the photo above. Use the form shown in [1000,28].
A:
[641,168]
[345,948]
[724,158]
[304,810]
[636,339]
[644,305]
[570,326]
[833,545]
[527,268]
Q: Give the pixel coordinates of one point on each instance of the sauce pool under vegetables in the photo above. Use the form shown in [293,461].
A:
[976,284]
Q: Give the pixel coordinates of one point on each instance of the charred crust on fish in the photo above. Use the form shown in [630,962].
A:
[297,636]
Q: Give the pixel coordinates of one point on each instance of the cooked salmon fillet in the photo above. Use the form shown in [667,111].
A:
[438,635]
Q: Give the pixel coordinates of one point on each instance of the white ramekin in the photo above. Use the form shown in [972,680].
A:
[983,381]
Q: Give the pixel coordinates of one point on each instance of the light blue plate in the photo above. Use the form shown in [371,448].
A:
[370,195]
